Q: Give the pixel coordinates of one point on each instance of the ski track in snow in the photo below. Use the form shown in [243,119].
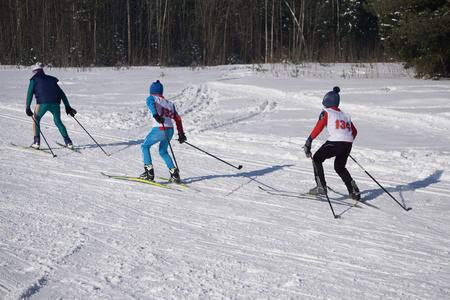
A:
[67,232]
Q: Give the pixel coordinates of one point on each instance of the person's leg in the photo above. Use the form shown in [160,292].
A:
[40,111]
[340,167]
[174,172]
[163,148]
[340,162]
[327,151]
[38,114]
[55,109]
[152,138]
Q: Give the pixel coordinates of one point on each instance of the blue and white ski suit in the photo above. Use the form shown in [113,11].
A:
[166,109]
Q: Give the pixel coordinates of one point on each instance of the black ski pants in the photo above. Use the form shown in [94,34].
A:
[340,150]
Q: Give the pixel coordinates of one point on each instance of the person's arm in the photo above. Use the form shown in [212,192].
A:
[69,110]
[321,124]
[30,94]
[354,131]
[64,97]
[177,119]
[151,104]
[316,131]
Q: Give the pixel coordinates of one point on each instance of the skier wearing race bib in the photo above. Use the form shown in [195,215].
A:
[341,134]
[163,112]
[48,98]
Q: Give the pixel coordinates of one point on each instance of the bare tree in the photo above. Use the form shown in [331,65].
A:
[185,32]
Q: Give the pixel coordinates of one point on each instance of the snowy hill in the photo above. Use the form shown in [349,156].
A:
[67,232]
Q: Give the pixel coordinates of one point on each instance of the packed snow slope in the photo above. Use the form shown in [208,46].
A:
[67,232]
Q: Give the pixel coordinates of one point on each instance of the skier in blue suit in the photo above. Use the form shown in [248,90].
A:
[163,112]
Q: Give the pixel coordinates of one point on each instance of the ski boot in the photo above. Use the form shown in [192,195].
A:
[175,175]
[318,190]
[353,190]
[37,142]
[148,174]
[68,142]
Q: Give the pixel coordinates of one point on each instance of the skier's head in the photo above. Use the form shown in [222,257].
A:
[156,88]
[37,68]
[332,98]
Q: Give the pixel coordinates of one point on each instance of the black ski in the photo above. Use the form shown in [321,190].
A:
[360,201]
[72,149]
[310,196]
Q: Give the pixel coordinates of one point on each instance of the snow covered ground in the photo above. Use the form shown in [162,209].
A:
[67,232]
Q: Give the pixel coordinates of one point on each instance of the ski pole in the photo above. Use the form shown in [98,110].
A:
[324,188]
[407,209]
[40,131]
[170,146]
[239,167]
[90,135]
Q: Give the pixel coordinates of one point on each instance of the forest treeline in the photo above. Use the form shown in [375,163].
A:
[85,33]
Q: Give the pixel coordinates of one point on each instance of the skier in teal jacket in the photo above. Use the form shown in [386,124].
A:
[48,98]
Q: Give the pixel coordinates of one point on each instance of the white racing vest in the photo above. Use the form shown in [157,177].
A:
[339,126]
[165,109]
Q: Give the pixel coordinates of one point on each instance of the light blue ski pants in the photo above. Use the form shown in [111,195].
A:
[155,136]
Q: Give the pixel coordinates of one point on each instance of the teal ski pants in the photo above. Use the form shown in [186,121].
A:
[54,108]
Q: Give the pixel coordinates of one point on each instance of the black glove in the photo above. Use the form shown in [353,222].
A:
[307,148]
[71,111]
[29,112]
[158,118]
[182,137]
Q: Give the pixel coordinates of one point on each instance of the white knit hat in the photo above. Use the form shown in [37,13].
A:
[37,67]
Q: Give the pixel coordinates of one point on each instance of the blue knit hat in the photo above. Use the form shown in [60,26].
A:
[332,98]
[156,88]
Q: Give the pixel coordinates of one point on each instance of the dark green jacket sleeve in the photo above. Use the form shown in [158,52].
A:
[64,97]
[30,94]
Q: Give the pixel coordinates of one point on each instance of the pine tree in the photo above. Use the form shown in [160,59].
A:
[417,32]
